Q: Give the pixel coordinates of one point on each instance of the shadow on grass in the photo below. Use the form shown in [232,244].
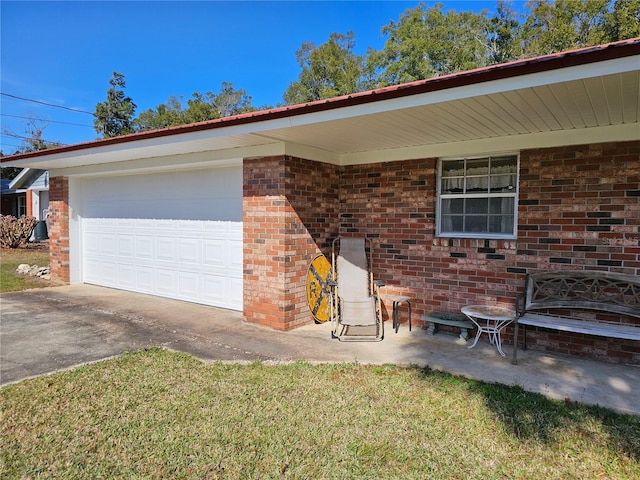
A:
[532,416]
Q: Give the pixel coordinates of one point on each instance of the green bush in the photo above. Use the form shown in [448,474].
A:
[15,231]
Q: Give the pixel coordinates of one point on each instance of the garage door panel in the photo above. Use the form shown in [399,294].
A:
[126,276]
[215,288]
[145,279]
[142,224]
[91,271]
[235,293]
[180,242]
[167,281]
[189,286]
[125,246]
[92,243]
[235,256]
[166,249]
[109,272]
[108,243]
[214,253]
[189,251]
[145,247]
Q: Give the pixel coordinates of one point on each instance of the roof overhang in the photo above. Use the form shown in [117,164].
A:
[25,178]
[584,96]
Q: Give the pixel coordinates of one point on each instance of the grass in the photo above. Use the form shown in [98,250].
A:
[160,414]
[10,258]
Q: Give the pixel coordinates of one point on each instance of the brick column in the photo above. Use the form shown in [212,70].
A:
[59,228]
[290,213]
[263,218]
[29,202]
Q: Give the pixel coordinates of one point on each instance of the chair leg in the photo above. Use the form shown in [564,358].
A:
[514,360]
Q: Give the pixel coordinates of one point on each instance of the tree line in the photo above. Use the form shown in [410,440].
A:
[426,41]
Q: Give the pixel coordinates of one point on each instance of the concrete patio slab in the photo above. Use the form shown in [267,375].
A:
[47,330]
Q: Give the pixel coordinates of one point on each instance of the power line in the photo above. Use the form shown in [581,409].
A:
[13,135]
[77,110]
[48,121]
[11,145]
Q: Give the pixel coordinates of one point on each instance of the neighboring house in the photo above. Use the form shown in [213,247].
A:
[12,201]
[464,183]
[34,183]
[26,194]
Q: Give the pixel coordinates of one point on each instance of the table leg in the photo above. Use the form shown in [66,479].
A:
[499,341]
[395,316]
[499,344]
[475,341]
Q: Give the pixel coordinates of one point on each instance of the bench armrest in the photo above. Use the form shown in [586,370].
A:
[520,303]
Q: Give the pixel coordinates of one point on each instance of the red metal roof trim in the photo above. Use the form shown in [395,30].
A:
[516,68]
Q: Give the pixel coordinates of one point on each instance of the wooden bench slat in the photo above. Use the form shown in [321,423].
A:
[604,329]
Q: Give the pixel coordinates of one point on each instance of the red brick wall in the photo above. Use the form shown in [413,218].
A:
[59,228]
[312,190]
[290,211]
[579,208]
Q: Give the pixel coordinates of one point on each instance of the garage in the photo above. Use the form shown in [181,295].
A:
[172,234]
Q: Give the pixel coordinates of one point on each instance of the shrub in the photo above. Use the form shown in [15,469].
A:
[16,231]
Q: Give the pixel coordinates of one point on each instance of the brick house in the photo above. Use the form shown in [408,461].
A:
[464,183]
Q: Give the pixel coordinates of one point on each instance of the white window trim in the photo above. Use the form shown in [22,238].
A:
[484,235]
[22,206]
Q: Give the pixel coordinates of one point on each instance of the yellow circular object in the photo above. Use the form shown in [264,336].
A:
[318,293]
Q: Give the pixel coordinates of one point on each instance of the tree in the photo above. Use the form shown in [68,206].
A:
[427,42]
[165,115]
[201,107]
[504,35]
[231,102]
[624,21]
[9,173]
[556,26]
[32,139]
[330,70]
[114,116]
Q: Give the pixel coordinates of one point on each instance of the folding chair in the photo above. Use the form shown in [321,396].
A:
[356,312]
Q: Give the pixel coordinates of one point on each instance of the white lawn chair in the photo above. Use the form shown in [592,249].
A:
[356,312]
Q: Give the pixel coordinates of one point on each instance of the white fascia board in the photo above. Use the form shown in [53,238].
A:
[512,143]
[185,143]
[190,161]
[17,182]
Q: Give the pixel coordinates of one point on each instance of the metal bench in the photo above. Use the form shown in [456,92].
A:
[611,293]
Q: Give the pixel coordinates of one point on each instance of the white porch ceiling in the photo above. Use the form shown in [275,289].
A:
[597,102]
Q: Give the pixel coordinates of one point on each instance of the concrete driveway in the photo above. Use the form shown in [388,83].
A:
[50,329]
[46,330]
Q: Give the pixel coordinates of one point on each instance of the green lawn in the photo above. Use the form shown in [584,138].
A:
[159,414]
[10,258]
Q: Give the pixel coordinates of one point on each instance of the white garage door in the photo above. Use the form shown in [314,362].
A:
[176,235]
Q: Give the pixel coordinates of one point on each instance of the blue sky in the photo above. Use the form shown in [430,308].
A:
[64,53]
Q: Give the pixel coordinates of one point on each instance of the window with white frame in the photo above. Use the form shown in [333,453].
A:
[477,197]
[22,205]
